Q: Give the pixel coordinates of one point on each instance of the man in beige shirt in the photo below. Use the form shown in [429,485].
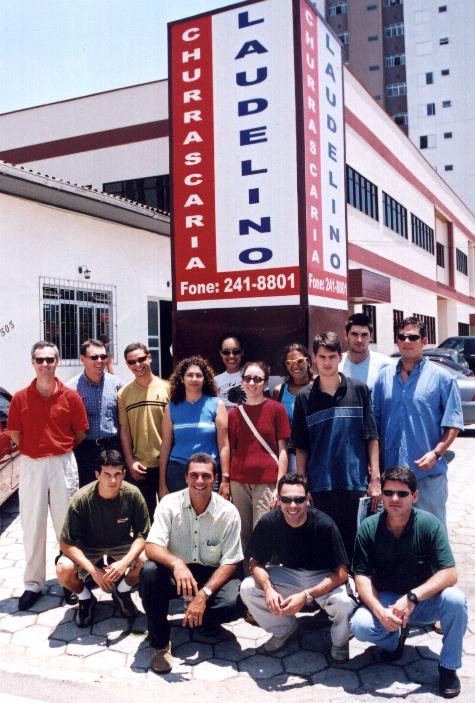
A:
[141,406]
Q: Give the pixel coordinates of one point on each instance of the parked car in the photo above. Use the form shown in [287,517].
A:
[464,377]
[464,345]
[9,457]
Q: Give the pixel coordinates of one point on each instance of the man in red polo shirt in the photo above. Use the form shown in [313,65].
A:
[46,421]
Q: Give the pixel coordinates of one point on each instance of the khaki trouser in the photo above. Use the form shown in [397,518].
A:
[252,500]
[47,482]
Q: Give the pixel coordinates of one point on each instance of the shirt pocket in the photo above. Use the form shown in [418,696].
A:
[211,554]
[419,567]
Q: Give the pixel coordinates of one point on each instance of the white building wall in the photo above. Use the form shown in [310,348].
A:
[45,241]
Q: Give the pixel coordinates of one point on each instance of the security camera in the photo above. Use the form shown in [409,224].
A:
[85,271]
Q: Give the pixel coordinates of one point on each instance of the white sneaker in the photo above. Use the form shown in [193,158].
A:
[340,654]
[275,643]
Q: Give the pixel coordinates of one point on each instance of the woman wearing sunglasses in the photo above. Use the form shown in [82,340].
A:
[298,369]
[229,381]
[194,421]
[258,434]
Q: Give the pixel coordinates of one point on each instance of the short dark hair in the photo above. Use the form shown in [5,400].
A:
[230,335]
[110,457]
[415,322]
[90,343]
[401,474]
[328,340]
[360,319]
[133,347]
[292,480]
[201,458]
[41,345]
[261,364]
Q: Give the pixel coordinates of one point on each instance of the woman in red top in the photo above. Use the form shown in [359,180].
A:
[254,469]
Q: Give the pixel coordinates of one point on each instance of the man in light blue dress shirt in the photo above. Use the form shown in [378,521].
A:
[418,412]
[359,362]
[98,390]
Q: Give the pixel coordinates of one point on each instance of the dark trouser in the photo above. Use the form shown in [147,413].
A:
[158,587]
[342,506]
[87,457]
[148,487]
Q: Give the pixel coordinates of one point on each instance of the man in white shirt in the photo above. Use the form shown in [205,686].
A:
[359,362]
[194,549]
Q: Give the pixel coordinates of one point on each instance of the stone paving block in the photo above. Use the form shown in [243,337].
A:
[384,678]
[337,679]
[139,624]
[137,676]
[8,605]
[361,660]
[66,662]
[304,663]
[193,652]
[105,661]
[468,667]
[85,646]
[220,636]
[46,649]
[469,644]
[69,631]
[45,603]
[315,641]
[140,658]
[215,670]
[250,632]
[112,627]
[290,647]
[233,650]
[56,617]
[179,635]
[5,638]
[31,635]
[104,611]
[423,671]
[128,644]
[261,667]
[18,621]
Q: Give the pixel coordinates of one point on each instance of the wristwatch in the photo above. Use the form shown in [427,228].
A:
[437,454]
[412,597]
[207,591]
[308,598]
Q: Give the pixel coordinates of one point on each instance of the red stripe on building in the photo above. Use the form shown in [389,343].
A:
[86,142]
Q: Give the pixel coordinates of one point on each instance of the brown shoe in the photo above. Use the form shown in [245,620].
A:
[162,660]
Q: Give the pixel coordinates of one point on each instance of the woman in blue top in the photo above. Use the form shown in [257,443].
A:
[298,368]
[194,421]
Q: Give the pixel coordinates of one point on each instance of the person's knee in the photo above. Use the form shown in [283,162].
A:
[453,598]
[65,570]
[361,623]
[343,604]
[248,588]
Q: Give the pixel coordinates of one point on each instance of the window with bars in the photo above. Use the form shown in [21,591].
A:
[464,329]
[398,317]
[440,252]
[361,193]
[73,311]
[394,30]
[395,215]
[422,234]
[395,89]
[430,326]
[370,311]
[395,60]
[461,260]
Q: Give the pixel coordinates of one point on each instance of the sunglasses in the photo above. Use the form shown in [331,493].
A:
[294,362]
[256,379]
[132,362]
[228,352]
[95,357]
[400,494]
[410,337]
[40,360]
[298,500]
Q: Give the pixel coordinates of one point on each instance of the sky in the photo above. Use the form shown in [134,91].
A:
[58,49]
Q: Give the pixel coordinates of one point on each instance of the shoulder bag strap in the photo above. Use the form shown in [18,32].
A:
[256,433]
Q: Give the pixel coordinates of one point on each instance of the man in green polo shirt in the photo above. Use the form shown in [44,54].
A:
[103,537]
[405,573]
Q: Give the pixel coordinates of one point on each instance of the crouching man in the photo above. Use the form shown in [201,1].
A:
[405,574]
[194,550]
[104,537]
[313,567]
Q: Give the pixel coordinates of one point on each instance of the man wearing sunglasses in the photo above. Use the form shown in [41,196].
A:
[418,411]
[141,406]
[405,574]
[46,420]
[312,566]
[98,390]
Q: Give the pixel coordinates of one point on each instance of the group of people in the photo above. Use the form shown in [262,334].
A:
[259,489]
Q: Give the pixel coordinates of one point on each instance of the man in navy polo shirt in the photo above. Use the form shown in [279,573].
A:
[98,390]
[336,439]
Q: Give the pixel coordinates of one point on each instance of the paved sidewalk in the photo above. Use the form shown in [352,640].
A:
[46,642]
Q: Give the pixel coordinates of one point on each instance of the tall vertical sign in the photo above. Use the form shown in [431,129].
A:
[257,165]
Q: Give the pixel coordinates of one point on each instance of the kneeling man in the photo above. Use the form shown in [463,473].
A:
[107,520]
[405,573]
[313,566]
[194,549]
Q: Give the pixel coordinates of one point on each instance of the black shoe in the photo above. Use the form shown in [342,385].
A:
[449,682]
[84,615]
[125,603]
[27,599]
[398,652]
[70,598]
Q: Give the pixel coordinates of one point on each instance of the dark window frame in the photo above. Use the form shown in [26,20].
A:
[421,234]
[395,215]
[361,193]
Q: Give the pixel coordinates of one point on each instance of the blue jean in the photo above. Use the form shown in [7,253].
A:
[449,606]
[433,494]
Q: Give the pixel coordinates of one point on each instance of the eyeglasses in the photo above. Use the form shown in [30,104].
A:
[228,352]
[298,500]
[294,362]
[95,357]
[255,379]
[40,360]
[132,362]
[410,337]
[400,494]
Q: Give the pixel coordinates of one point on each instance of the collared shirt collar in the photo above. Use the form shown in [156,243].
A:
[91,383]
[341,389]
[407,526]
[417,368]
[210,508]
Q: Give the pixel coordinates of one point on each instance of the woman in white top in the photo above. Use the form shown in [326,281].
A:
[231,352]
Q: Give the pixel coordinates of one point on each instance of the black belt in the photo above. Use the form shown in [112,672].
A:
[103,441]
